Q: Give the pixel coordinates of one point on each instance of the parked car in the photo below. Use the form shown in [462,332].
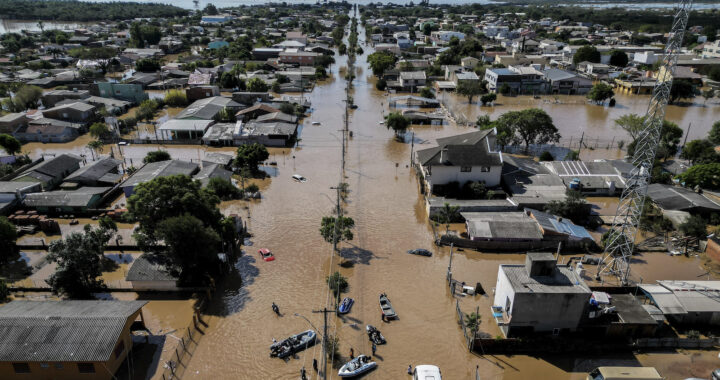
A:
[266,254]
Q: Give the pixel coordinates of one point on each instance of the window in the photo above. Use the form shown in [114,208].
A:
[86,368]
[466,169]
[484,168]
[58,366]
[44,365]
[21,367]
[119,349]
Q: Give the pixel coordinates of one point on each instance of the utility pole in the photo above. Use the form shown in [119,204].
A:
[325,312]
[580,146]
[686,137]
[412,145]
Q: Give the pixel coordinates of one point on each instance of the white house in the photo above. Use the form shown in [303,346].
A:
[646,57]
[540,296]
[447,35]
[462,158]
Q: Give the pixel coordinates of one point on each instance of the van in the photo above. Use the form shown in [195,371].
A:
[624,373]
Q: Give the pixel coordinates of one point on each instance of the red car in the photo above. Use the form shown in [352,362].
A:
[266,254]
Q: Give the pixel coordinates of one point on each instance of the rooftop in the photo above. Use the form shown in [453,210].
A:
[95,171]
[63,331]
[81,197]
[670,197]
[150,268]
[160,169]
[467,149]
[562,280]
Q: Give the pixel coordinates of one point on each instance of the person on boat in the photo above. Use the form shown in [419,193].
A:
[374,348]
[409,369]
[352,353]
[315,365]
[303,375]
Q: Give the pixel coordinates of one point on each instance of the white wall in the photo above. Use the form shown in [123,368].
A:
[503,291]
[443,174]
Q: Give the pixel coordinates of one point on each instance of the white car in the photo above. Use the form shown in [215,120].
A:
[299,178]
[426,372]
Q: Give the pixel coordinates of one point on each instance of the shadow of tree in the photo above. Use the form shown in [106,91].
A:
[232,295]
[15,266]
[357,255]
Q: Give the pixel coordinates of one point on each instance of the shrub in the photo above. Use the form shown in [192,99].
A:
[176,98]
[252,188]
[546,156]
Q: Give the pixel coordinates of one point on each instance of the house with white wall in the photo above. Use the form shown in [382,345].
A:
[540,296]
[461,158]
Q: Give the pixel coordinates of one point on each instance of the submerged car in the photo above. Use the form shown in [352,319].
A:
[299,178]
[266,254]
[420,252]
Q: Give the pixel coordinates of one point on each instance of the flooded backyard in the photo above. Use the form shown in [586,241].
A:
[390,219]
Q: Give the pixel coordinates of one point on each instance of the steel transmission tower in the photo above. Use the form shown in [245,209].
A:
[621,240]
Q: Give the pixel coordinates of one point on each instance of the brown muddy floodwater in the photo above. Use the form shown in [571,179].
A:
[390,219]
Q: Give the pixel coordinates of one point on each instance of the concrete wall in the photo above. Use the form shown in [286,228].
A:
[443,174]
[545,312]
[503,291]
[155,285]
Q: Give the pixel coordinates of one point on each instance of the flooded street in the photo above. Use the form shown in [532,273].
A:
[390,218]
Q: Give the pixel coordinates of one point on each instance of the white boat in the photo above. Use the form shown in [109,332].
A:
[357,366]
[315,123]
[426,372]
[299,178]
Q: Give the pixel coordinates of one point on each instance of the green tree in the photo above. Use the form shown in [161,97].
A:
[600,92]
[337,283]
[250,156]
[397,122]
[618,58]
[426,92]
[546,156]
[586,53]
[573,207]
[99,130]
[714,134]
[342,49]
[631,123]
[381,61]
[529,126]
[335,233]
[223,188]
[708,94]
[8,236]
[469,89]
[78,258]
[488,98]
[156,155]
[707,176]
[168,197]
[176,98]
[681,89]
[472,322]
[670,136]
[381,84]
[448,214]
[694,226]
[228,80]
[699,152]
[25,97]
[4,291]
[95,146]
[147,65]
[191,246]
[256,85]
[210,10]
[10,144]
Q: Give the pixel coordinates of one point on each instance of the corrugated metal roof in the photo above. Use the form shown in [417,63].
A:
[562,281]
[664,299]
[62,331]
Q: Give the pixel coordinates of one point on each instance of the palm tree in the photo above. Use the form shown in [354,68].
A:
[448,214]
[472,322]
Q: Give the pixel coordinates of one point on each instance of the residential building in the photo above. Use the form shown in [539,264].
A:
[77,112]
[277,134]
[461,158]
[183,129]
[469,63]
[13,193]
[297,36]
[689,303]
[156,170]
[411,80]
[255,111]
[222,159]
[201,92]
[50,173]
[498,78]
[673,199]
[711,50]
[212,171]
[540,296]
[151,273]
[66,339]
[566,82]
[646,57]
[51,98]
[393,48]
[208,108]
[447,35]
[303,58]
[66,201]
[48,131]
[531,184]
[103,172]
[532,80]
[132,93]
[12,121]
[458,77]
[598,178]
[262,54]
[507,227]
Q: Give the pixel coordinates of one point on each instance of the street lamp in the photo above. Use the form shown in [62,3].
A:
[308,321]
